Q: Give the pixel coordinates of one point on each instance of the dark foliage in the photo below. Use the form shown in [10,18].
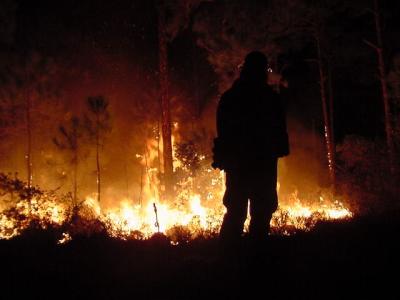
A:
[188,154]
[10,185]
[332,262]
[366,177]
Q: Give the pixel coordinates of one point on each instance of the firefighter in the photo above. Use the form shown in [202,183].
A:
[251,136]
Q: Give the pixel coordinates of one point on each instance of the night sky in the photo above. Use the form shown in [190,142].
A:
[126,31]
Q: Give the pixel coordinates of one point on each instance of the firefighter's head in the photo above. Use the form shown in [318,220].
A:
[255,67]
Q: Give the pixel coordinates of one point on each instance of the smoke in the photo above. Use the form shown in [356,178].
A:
[305,170]
[134,108]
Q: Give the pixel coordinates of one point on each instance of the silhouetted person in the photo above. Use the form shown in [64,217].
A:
[251,129]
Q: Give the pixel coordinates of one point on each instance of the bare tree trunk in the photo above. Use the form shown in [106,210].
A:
[165,105]
[75,163]
[98,156]
[382,75]
[158,147]
[327,124]
[75,196]
[331,117]
[395,115]
[28,155]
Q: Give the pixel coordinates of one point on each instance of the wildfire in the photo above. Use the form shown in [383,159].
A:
[195,210]
[198,215]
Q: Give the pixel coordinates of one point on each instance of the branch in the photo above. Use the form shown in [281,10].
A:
[371,45]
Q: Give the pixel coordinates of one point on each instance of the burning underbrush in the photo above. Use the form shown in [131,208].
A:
[195,211]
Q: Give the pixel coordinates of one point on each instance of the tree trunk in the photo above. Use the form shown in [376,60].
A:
[382,75]
[165,105]
[395,115]
[28,155]
[327,124]
[159,133]
[75,196]
[75,164]
[98,157]
[331,117]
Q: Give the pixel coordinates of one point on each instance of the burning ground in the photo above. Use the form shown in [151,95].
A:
[195,211]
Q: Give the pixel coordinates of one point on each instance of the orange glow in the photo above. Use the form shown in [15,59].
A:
[199,214]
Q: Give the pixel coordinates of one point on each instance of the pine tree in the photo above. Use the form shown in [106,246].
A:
[69,140]
[97,122]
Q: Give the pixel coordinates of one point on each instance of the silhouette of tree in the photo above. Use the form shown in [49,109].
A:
[26,100]
[173,17]
[68,139]
[318,26]
[379,48]
[97,123]
[229,30]
[393,80]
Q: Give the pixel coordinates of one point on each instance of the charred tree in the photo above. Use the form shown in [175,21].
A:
[331,109]
[165,102]
[28,153]
[378,47]
[316,23]
[98,123]
[394,84]
[173,17]
[33,91]
[325,110]
[68,140]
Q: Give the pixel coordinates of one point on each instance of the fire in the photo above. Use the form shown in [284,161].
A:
[66,237]
[130,218]
[195,210]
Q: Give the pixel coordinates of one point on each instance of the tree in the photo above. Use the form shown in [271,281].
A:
[229,30]
[97,122]
[27,96]
[68,140]
[165,102]
[393,80]
[317,24]
[173,17]
[378,47]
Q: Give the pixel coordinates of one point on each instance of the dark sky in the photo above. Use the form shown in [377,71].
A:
[127,31]
[124,28]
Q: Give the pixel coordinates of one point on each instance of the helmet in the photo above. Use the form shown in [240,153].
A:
[256,60]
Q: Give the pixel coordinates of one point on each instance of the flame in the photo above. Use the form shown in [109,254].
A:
[197,207]
[66,237]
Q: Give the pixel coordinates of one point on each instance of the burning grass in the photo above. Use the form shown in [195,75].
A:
[195,211]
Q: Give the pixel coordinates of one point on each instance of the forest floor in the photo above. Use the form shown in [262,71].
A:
[340,260]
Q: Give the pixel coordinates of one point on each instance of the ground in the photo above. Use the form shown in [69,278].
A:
[334,261]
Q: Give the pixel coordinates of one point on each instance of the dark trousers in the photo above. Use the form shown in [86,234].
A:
[257,186]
